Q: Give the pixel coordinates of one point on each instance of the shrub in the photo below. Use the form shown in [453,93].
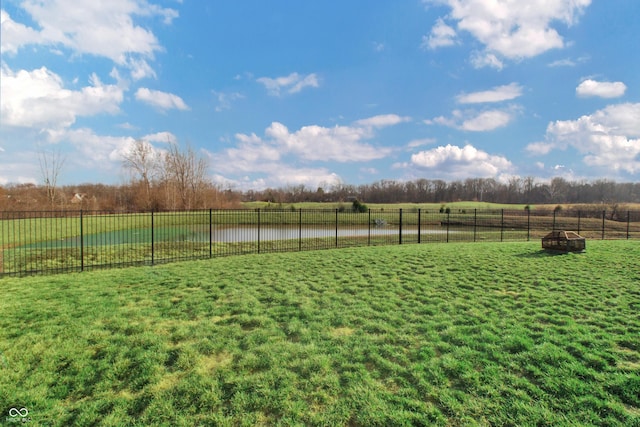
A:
[359,207]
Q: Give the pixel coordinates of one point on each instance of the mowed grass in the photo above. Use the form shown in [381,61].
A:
[458,334]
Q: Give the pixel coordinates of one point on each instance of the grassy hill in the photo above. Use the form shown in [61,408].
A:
[458,334]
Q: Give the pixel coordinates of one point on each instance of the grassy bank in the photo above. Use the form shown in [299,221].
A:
[459,334]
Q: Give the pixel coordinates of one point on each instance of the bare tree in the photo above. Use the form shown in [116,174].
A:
[146,164]
[51,163]
[185,172]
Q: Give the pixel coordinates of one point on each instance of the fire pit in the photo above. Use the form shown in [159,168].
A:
[564,241]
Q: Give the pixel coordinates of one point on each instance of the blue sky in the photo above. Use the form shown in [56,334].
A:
[317,92]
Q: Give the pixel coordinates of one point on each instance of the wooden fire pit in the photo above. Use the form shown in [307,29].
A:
[564,241]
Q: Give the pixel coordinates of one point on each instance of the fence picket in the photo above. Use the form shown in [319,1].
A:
[400,228]
[152,240]
[81,243]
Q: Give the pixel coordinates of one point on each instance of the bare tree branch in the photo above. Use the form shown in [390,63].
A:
[51,163]
[186,173]
[146,164]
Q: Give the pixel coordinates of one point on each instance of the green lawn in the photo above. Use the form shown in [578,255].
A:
[451,335]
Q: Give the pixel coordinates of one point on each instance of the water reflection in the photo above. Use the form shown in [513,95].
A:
[253,234]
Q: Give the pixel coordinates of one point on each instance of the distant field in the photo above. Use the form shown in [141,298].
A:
[431,206]
[446,335]
[426,206]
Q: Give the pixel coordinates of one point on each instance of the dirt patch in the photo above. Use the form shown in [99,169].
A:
[341,332]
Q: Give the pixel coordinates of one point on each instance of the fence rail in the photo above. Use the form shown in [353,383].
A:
[65,241]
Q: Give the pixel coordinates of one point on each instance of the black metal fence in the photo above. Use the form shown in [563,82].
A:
[65,241]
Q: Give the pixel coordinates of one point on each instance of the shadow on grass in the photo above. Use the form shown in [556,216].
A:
[544,253]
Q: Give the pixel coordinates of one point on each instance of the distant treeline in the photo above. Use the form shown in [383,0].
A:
[161,194]
[516,190]
[174,179]
[135,196]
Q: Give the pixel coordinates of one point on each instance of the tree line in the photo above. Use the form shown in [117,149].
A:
[516,190]
[171,179]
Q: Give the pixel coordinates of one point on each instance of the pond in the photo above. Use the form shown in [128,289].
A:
[251,234]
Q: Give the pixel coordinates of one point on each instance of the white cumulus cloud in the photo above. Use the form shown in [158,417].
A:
[14,35]
[486,121]
[318,143]
[486,59]
[474,121]
[453,161]
[608,139]
[497,94]
[441,35]
[276,154]
[225,100]
[382,120]
[260,164]
[38,99]
[140,69]
[94,151]
[161,137]
[511,29]
[601,89]
[99,28]
[293,83]
[160,100]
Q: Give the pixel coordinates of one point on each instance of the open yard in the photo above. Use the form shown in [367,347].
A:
[450,335]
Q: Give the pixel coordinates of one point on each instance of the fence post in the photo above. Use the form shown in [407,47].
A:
[419,226]
[336,228]
[604,213]
[554,220]
[579,218]
[369,228]
[448,221]
[475,223]
[300,231]
[153,255]
[81,243]
[258,230]
[628,223]
[400,228]
[210,233]
[528,224]
[502,225]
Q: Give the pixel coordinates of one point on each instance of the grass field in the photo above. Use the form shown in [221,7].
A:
[450,335]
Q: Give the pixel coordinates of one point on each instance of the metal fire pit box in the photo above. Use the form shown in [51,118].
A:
[564,241]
